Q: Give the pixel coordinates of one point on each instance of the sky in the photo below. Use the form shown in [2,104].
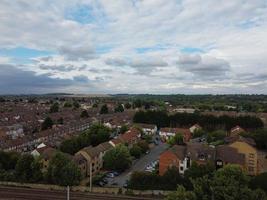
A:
[133,46]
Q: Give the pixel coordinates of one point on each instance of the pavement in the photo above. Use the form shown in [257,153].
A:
[139,165]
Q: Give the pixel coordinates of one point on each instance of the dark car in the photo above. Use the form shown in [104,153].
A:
[125,185]
[100,183]
[116,173]
[105,180]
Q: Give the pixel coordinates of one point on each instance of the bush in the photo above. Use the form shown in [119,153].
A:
[136,151]
[143,145]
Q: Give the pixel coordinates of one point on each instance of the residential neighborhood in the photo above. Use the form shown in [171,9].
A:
[130,149]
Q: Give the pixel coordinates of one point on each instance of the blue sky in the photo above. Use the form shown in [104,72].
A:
[126,46]
[23,55]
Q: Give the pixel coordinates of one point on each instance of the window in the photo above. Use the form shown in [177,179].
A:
[181,168]
[251,155]
[250,169]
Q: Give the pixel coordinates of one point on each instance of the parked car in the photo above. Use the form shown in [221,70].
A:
[125,185]
[105,180]
[110,175]
[115,173]
[100,183]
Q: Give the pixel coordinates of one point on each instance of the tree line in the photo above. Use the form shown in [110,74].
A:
[203,182]
[208,122]
[28,169]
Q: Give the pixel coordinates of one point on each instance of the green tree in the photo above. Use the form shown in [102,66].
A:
[96,134]
[145,181]
[95,105]
[137,103]
[63,171]
[48,123]
[123,129]
[104,109]
[127,105]
[196,171]
[172,178]
[216,135]
[70,146]
[199,133]
[119,108]
[260,137]
[147,138]
[259,181]
[178,139]
[67,104]
[136,151]
[143,145]
[76,104]
[84,114]
[228,183]
[118,158]
[27,169]
[54,108]
[181,194]
[8,160]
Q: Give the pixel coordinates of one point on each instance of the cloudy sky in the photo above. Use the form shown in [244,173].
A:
[133,46]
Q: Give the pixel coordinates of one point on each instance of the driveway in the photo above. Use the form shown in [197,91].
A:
[140,164]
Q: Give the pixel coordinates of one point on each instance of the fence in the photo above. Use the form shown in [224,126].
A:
[102,190]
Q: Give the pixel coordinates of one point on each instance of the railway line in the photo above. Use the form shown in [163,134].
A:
[18,193]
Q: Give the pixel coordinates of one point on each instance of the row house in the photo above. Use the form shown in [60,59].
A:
[148,129]
[47,136]
[14,131]
[129,138]
[182,157]
[167,132]
[90,159]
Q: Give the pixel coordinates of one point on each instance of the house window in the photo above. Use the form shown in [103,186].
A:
[251,169]
[181,168]
[251,155]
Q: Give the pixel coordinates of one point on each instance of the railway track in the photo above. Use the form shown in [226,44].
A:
[17,193]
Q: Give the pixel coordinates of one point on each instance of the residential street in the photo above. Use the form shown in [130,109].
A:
[140,164]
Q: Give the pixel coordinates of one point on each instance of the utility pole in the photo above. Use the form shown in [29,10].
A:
[90,187]
[68,192]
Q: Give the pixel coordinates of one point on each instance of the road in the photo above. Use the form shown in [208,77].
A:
[16,193]
[140,164]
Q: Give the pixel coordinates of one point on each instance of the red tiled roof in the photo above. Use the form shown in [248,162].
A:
[130,134]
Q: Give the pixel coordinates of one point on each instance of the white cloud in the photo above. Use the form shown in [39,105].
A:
[148,44]
[4,60]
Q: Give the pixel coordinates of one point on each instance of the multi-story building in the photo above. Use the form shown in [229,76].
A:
[247,147]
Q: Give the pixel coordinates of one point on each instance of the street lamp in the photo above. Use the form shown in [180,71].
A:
[68,192]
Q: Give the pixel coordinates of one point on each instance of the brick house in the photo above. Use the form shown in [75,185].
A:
[90,159]
[167,132]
